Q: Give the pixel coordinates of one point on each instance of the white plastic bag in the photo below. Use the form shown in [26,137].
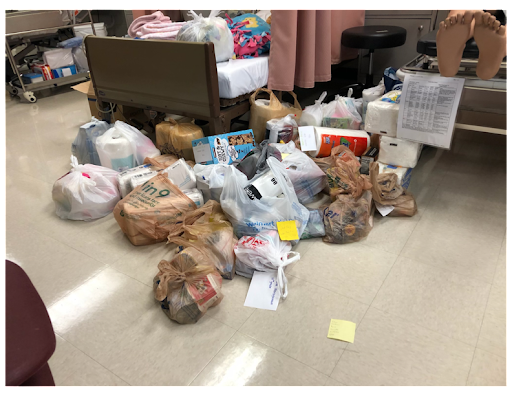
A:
[123,147]
[210,180]
[399,152]
[341,113]
[212,29]
[87,192]
[313,115]
[282,129]
[250,217]
[371,94]
[265,252]
[84,145]
[306,176]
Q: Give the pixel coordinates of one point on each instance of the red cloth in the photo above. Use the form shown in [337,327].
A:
[306,43]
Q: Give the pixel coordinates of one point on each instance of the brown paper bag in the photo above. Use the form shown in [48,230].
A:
[261,114]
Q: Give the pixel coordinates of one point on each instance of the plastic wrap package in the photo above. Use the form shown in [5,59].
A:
[150,212]
[315,227]
[403,174]
[87,192]
[251,216]
[387,191]
[195,195]
[348,219]
[181,174]
[281,130]
[265,252]
[210,180]
[218,238]
[307,178]
[341,113]
[212,29]
[84,145]
[165,160]
[255,162]
[58,58]
[399,152]
[188,285]
[124,178]
[371,94]
[261,112]
[382,114]
[123,147]
[173,137]
[314,114]
[80,60]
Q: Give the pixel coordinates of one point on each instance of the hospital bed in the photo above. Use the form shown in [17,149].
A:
[174,77]
[483,105]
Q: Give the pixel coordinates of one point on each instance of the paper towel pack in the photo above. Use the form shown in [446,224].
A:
[382,118]
[399,152]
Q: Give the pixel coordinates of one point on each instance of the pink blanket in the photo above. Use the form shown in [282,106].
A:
[138,23]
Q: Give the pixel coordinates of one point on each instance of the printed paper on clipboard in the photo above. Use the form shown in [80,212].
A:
[428,108]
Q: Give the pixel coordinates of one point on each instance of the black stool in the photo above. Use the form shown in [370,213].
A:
[372,38]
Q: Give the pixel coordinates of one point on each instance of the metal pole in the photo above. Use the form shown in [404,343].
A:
[92,22]
[13,64]
[359,65]
[370,66]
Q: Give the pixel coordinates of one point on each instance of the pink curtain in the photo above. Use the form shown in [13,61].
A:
[305,43]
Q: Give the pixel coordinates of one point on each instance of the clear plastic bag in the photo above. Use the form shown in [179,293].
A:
[371,94]
[174,137]
[341,113]
[84,145]
[307,178]
[212,29]
[188,285]
[250,217]
[315,227]
[87,192]
[123,147]
[313,115]
[282,129]
[255,162]
[265,252]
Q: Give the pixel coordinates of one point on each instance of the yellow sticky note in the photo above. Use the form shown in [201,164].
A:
[342,330]
[284,155]
[287,230]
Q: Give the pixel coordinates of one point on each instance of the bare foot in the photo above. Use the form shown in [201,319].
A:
[491,39]
[451,41]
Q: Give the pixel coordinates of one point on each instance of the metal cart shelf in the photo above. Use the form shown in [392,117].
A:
[43,23]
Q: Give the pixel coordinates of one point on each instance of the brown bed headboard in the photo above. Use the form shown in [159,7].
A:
[180,77]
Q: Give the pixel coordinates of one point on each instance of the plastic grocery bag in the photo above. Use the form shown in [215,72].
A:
[255,162]
[371,94]
[261,113]
[341,113]
[212,29]
[188,285]
[153,210]
[87,192]
[386,190]
[282,130]
[307,178]
[84,145]
[210,180]
[315,227]
[265,252]
[314,114]
[250,217]
[123,147]
[348,219]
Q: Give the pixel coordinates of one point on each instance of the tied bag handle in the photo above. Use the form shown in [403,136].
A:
[282,282]
[274,101]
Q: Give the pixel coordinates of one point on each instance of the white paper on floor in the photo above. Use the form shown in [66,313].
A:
[384,210]
[263,291]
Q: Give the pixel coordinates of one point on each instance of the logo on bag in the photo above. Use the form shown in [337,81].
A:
[151,190]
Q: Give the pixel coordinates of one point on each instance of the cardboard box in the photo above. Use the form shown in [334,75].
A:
[223,149]
[369,156]
[64,71]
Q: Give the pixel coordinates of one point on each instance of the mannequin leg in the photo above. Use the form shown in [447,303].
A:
[491,39]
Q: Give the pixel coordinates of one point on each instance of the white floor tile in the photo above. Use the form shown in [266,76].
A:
[487,370]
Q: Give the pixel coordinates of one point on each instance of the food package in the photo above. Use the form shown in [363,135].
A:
[188,285]
[87,192]
[165,160]
[399,152]
[371,94]
[261,114]
[314,114]
[348,219]
[328,138]
[250,217]
[403,174]
[307,178]
[387,191]
[150,212]
[281,130]
[182,175]
[255,162]
[174,137]
[341,113]
[223,149]
[212,29]
[382,114]
[210,180]
[58,58]
[195,195]
[265,252]
[123,147]
[84,145]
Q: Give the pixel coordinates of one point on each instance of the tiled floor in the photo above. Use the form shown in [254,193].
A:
[427,293]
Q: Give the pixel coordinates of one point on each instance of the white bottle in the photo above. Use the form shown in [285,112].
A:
[116,152]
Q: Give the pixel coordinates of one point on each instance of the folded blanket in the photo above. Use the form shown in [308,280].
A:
[138,23]
[160,36]
[161,27]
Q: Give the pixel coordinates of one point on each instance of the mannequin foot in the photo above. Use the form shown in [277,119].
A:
[491,39]
[451,41]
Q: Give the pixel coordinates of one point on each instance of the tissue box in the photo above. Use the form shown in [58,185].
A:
[223,149]
[404,174]
[58,58]
[30,78]
[369,156]
[382,118]
[64,71]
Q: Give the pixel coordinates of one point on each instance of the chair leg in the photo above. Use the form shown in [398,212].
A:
[216,126]
[369,76]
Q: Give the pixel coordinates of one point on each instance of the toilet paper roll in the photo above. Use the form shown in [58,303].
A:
[124,177]
[141,178]
[115,152]
[196,196]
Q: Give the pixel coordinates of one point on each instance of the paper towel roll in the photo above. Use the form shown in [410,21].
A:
[382,118]
[115,152]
